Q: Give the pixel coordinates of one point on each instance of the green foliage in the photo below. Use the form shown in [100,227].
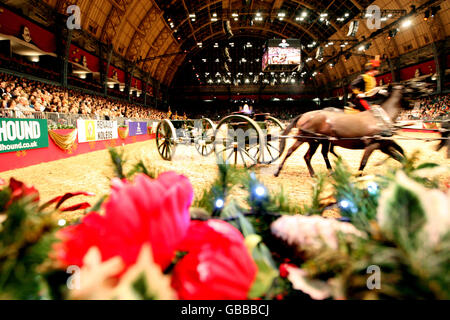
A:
[363,206]
[316,207]
[61,126]
[227,177]
[118,161]
[141,168]
[412,267]
[26,237]
[141,288]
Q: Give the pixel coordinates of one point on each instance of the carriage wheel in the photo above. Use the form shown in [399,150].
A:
[166,139]
[270,151]
[204,137]
[235,139]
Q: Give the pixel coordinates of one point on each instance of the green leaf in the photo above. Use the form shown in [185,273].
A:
[427,165]
[267,271]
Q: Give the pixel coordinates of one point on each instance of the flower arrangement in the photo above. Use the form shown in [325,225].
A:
[150,239]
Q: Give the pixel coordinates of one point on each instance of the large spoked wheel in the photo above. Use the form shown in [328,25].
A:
[270,151]
[204,136]
[237,140]
[166,139]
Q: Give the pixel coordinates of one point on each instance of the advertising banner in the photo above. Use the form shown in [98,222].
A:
[96,130]
[23,134]
[137,128]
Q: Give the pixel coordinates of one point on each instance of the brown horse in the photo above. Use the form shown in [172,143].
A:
[351,131]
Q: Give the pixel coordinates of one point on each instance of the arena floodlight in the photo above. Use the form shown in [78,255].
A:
[406,24]
[227,28]
[353,28]
[319,53]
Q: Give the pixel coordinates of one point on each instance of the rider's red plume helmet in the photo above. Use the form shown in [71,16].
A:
[373,64]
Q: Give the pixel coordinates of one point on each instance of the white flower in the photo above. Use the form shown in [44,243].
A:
[311,232]
[435,204]
[316,289]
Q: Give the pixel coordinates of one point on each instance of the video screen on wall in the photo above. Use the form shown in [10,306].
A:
[279,52]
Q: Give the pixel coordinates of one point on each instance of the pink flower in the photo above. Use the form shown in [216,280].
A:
[147,211]
[217,265]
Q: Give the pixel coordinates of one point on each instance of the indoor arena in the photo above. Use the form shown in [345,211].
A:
[252,150]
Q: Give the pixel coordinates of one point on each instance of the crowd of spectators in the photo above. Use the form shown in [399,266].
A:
[430,108]
[26,96]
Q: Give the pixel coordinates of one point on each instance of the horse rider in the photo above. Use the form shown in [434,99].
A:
[369,96]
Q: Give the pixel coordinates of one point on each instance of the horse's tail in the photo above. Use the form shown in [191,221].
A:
[444,135]
[286,132]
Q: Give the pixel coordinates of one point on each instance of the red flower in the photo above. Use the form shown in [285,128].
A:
[20,190]
[76,240]
[283,269]
[148,211]
[217,266]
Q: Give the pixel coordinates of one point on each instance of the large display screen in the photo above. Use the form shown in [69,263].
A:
[282,52]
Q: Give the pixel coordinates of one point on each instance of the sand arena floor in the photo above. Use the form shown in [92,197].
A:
[91,172]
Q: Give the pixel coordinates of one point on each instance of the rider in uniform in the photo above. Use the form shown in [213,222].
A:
[369,96]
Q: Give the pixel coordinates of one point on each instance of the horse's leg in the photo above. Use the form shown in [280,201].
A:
[326,147]
[291,150]
[391,151]
[398,148]
[332,150]
[367,153]
[312,149]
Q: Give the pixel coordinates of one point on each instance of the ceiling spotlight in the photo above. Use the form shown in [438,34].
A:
[427,15]
[434,10]
[361,48]
[392,33]
[406,24]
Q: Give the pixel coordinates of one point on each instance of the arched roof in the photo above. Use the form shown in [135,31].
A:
[140,29]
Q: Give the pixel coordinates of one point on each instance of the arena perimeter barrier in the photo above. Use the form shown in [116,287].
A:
[62,143]
[67,119]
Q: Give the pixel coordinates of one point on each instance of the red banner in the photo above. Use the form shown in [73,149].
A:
[22,159]
[12,24]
